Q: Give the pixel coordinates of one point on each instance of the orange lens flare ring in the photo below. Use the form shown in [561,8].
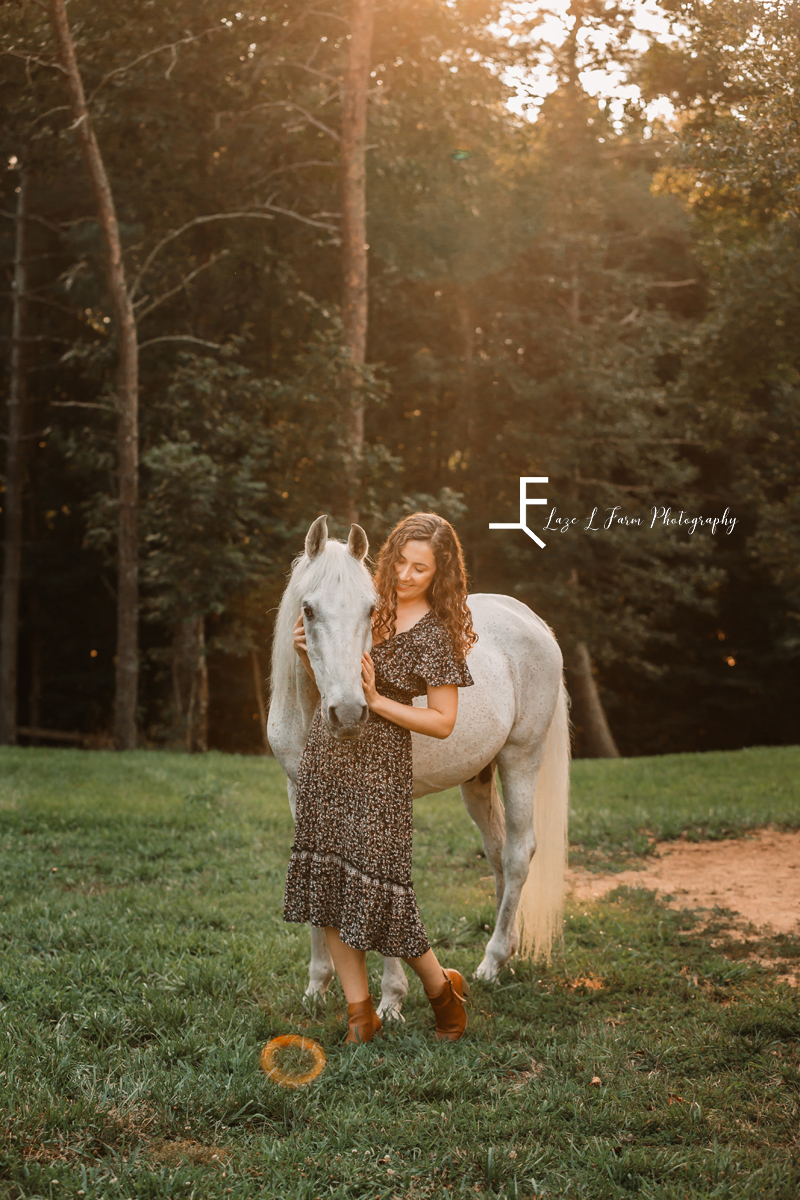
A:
[283,1078]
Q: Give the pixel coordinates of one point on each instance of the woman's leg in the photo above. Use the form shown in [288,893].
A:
[351,967]
[430,972]
[445,991]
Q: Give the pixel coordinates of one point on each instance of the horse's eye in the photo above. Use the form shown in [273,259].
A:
[308,611]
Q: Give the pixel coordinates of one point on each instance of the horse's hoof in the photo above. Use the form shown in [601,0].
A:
[316,993]
[389,1010]
[488,971]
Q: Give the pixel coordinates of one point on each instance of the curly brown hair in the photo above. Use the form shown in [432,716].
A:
[447,594]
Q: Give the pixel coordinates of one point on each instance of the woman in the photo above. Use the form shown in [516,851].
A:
[350,870]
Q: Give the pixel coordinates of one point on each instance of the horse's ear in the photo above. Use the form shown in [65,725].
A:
[317,537]
[357,542]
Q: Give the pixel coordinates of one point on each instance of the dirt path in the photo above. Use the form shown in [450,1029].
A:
[758,877]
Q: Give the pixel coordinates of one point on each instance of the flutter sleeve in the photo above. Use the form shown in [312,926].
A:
[438,664]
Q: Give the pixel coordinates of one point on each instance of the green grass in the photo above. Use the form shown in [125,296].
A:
[620,806]
[145,963]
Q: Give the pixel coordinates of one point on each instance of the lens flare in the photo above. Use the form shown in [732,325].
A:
[285,1078]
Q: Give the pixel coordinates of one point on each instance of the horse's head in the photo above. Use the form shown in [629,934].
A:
[337,600]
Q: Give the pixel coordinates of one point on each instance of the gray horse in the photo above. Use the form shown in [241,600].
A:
[514,718]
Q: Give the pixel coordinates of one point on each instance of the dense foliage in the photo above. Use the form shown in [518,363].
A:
[606,302]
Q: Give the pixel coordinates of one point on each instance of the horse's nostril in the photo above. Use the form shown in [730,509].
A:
[346,717]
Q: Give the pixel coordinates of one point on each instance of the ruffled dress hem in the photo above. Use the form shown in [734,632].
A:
[370,913]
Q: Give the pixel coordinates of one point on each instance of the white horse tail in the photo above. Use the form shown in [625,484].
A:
[541,907]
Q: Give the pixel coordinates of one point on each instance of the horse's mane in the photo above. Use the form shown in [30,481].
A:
[335,569]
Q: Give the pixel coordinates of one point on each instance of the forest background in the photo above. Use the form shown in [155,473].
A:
[574,289]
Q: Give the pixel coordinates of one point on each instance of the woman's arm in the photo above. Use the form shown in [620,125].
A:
[299,642]
[437,720]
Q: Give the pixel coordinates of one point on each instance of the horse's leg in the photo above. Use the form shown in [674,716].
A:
[482,802]
[519,768]
[394,986]
[320,969]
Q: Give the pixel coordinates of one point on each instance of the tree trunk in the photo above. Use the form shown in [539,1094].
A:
[35,694]
[354,225]
[588,716]
[15,470]
[465,415]
[466,325]
[589,720]
[258,680]
[127,666]
[190,685]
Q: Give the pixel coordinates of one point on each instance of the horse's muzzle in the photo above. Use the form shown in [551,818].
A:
[347,722]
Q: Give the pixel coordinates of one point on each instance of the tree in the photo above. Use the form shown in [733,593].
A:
[354,220]
[544,291]
[730,76]
[575,341]
[124,101]
[127,669]
[15,460]
[597,35]
[123,298]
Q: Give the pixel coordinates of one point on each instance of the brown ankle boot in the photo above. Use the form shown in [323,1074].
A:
[451,1014]
[362,1021]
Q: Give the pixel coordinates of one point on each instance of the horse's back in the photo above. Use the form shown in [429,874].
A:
[509,620]
[515,665]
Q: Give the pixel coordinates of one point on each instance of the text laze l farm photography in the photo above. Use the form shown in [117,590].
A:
[400,600]
[658,515]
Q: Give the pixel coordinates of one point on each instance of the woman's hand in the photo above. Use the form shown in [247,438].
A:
[299,643]
[299,638]
[368,679]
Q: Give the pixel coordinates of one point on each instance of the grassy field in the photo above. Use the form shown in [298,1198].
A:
[145,964]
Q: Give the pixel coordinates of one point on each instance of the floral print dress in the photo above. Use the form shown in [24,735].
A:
[351,861]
